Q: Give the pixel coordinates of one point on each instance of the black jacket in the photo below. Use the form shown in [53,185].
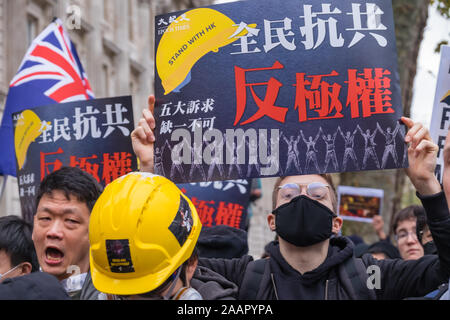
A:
[213,286]
[399,279]
[33,286]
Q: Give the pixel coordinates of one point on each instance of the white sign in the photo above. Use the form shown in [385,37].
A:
[440,118]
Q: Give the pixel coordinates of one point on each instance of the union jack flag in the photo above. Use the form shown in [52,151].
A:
[50,73]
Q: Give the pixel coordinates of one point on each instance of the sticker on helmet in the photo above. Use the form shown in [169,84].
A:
[119,257]
[181,226]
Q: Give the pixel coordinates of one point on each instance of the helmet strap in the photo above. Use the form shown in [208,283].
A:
[172,286]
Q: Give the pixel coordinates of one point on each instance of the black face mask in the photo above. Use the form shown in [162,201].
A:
[430,248]
[304,221]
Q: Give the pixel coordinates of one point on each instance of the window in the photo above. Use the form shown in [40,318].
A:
[32,28]
[105,72]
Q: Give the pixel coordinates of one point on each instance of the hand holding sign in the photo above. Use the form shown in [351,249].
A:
[422,154]
[378,227]
[143,138]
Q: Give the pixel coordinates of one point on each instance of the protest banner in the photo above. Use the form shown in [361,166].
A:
[93,135]
[263,88]
[441,109]
[359,204]
[220,202]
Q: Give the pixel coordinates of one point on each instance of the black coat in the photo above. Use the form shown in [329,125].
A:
[399,279]
[33,286]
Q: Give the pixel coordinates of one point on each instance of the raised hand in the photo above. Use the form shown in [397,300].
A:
[143,138]
[378,226]
[422,156]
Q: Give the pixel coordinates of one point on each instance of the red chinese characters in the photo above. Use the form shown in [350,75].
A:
[371,88]
[267,106]
[205,210]
[317,97]
[229,214]
[112,167]
[225,213]
[322,97]
[45,166]
[116,165]
[84,164]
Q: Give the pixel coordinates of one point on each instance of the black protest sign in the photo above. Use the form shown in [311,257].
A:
[220,202]
[93,135]
[264,88]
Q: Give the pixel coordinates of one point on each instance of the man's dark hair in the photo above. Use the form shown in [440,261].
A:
[411,212]
[15,239]
[72,181]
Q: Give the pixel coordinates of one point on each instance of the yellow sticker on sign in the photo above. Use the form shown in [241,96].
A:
[28,128]
[187,39]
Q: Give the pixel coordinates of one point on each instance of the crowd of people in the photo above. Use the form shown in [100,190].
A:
[139,239]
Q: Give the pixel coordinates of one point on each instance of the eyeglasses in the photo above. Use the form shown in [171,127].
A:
[403,235]
[315,190]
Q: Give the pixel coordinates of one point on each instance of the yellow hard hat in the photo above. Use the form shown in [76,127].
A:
[187,39]
[141,229]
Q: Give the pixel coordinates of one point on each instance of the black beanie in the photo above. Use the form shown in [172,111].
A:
[385,247]
[222,241]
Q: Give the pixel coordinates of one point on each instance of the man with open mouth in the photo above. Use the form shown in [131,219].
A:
[60,234]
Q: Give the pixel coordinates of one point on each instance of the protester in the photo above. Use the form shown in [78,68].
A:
[17,255]
[383,250]
[424,236]
[60,234]
[356,239]
[255,194]
[426,240]
[142,246]
[310,261]
[423,230]
[405,233]
[222,241]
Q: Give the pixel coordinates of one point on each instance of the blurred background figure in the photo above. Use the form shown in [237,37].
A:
[255,194]
[360,246]
[222,241]
[383,250]
[378,226]
[404,228]
[17,255]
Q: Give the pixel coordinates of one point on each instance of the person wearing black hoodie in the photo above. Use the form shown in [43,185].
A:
[310,262]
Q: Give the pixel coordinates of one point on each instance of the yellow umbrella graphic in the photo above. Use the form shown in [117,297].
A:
[187,39]
[28,128]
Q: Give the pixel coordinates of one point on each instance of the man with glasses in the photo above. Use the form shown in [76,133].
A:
[310,261]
